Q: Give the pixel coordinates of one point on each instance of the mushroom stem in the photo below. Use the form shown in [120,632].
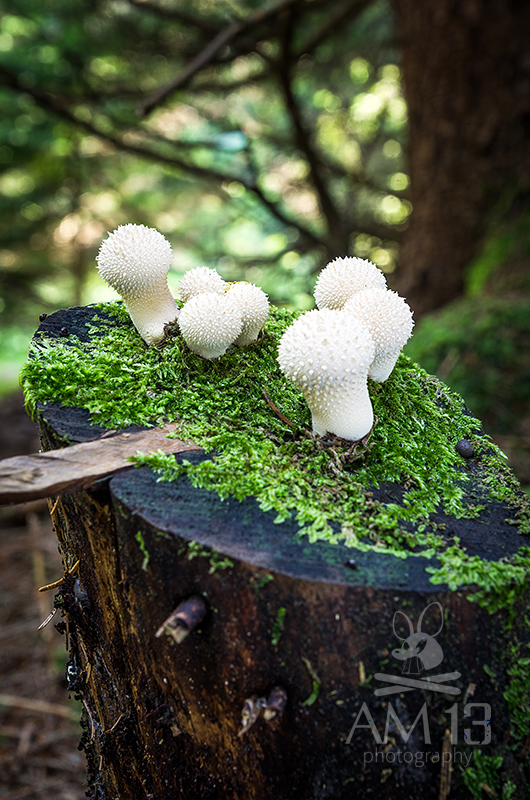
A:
[351,416]
[151,327]
[383,365]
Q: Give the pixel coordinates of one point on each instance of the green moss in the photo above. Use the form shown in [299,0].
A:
[263,581]
[500,583]
[220,405]
[217,561]
[277,628]
[485,772]
[517,696]
[315,691]
[140,539]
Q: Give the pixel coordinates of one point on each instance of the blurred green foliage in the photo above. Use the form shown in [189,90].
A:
[480,344]
[481,348]
[284,150]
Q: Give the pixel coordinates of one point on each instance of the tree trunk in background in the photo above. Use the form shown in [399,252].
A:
[466,66]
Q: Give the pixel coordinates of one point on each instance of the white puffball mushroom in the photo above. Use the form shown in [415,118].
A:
[389,319]
[327,355]
[344,277]
[210,323]
[135,261]
[254,308]
[200,280]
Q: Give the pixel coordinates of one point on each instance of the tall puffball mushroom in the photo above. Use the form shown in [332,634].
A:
[210,323]
[344,277]
[254,308]
[389,319]
[135,261]
[200,280]
[327,355]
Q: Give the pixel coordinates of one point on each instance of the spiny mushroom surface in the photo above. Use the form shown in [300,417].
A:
[200,280]
[389,319]
[254,308]
[344,277]
[135,261]
[210,323]
[327,355]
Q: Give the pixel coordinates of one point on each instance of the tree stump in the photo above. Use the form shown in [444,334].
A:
[219,654]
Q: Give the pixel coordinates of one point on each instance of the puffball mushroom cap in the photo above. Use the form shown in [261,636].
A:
[135,260]
[389,319]
[327,355]
[254,308]
[344,277]
[200,280]
[210,323]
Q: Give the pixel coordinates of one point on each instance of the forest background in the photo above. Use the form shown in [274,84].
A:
[265,139]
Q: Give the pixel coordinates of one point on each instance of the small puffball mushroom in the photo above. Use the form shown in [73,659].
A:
[254,308]
[210,323]
[327,355]
[342,278]
[389,319]
[135,260]
[200,280]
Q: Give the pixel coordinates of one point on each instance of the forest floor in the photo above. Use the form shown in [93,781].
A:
[39,730]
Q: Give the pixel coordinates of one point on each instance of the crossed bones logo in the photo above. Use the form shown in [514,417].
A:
[419,651]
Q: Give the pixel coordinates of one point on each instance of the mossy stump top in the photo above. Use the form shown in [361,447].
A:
[303,550]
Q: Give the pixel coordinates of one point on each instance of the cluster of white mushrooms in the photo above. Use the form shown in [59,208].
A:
[217,314]
[135,261]
[358,330]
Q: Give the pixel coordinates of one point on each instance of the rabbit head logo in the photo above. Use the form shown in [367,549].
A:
[419,649]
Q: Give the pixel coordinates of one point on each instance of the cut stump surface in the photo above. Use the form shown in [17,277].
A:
[284,687]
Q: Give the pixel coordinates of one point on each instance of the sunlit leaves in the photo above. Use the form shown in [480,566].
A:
[65,186]
[398,181]
[359,70]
